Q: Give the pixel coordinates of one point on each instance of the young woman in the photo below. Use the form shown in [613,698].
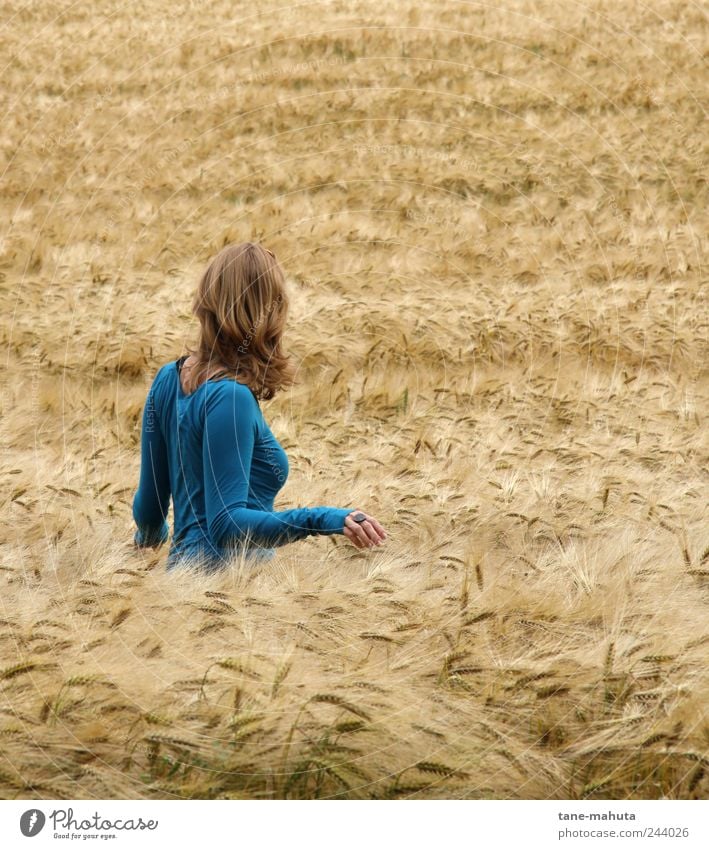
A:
[204,440]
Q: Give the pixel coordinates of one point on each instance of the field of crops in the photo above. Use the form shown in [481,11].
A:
[493,219]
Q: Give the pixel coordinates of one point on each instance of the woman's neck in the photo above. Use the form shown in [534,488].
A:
[187,368]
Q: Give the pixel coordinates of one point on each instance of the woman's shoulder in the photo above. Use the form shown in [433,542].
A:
[227,402]
[229,388]
[159,376]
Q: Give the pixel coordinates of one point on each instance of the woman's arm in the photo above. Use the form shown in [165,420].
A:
[230,431]
[152,499]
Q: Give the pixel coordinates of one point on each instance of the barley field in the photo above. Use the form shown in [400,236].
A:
[493,221]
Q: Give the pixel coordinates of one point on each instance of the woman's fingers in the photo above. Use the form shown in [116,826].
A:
[366,533]
[354,539]
[358,531]
[372,534]
[379,529]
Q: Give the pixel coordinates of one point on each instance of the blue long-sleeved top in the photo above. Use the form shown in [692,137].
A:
[214,454]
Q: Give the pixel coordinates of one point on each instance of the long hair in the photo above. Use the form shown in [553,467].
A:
[241,304]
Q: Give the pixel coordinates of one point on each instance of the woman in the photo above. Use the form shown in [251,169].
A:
[205,442]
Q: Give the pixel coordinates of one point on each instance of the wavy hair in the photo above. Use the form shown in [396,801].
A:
[241,304]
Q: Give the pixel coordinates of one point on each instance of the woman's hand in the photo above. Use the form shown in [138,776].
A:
[364,534]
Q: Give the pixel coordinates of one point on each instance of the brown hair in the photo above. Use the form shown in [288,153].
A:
[241,303]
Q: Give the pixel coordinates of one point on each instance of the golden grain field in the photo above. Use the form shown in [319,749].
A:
[493,220]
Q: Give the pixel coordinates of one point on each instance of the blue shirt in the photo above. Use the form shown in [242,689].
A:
[214,454]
